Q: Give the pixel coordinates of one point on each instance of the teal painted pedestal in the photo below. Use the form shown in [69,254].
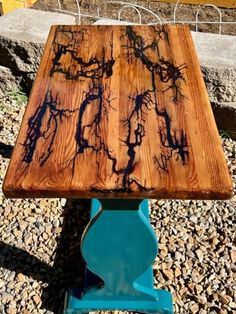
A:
[119,246]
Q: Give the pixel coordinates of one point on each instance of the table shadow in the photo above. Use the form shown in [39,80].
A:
[68,267]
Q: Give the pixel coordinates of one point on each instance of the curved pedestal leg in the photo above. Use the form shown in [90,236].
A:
[119,246]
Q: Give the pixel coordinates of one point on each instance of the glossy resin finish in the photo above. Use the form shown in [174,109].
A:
[118,111]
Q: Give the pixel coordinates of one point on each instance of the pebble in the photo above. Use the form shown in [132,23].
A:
[20,277]
[194,308]
[57,230]
[168,273]
[177,272]
[233,256]
[199,255]
[37,299]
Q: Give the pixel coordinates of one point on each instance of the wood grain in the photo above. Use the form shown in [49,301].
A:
[118,112]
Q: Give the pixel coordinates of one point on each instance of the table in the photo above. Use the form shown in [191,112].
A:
[118,114]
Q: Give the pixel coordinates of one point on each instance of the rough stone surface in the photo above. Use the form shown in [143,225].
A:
[20,55]
[22,41]
[220,82]
[8,81]
[217,56]
[225,116]
[215,50]
[31,25]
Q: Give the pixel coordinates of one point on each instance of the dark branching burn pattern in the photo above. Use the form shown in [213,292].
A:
[88,135]
[97,100]
[48,109]
[94,68]
[171,75]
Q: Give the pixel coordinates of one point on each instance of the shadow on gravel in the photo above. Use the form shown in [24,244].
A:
[68,268]
[5,150]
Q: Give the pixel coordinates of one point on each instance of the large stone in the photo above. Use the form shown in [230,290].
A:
[217,56]
[225,116]
[23,34]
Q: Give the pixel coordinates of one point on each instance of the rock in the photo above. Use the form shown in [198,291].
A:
[63,202]
[48,229]
[37,299]
[8,81]
[177,272]
[163,250]
[225,116]
[193,219]
[2,283]
[20,277]
[219,67]
[232,305]
[167,272]
[11,310]
[28,238]
[178,256]
[198,288]
[233,256]
[194,308]
[11,276]
[225,299]
[6,297]
[57,230]
[199,255]
[219,70]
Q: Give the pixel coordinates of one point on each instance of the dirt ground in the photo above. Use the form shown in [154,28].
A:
[163,10]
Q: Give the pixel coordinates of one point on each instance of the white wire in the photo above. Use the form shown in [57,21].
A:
[213,6]
[79,12]
[70,12]
[59,4]
[137,6]
[175,9]
[132,7]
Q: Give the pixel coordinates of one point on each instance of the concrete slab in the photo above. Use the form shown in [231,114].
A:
[215,50]
[31,25]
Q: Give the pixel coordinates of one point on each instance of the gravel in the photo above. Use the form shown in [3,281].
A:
[39,244]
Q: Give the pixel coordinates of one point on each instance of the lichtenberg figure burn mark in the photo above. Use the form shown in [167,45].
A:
[168,73]
[67,42]
[48,108]
[96,70]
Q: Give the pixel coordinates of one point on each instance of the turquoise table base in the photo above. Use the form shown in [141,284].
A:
[119,246]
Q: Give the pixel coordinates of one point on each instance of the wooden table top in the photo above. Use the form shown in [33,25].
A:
[118,112]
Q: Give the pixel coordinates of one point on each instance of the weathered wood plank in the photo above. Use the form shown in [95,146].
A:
[118,111]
